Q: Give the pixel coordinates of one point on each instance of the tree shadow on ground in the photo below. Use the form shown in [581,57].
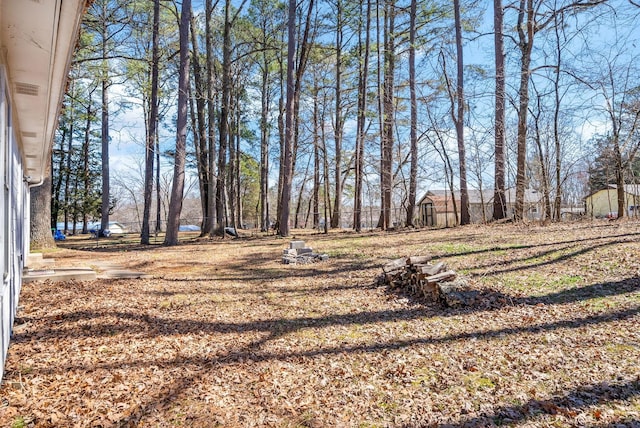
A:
[551,261]
[567,243]
[567,405]
[145,325]
[252,352]
[139,322]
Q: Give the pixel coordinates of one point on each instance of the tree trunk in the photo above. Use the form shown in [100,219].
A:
[499,200]
[525,40]
[619,175]
[338,122]
[56,184]
[199,128]
[325,170]
[177,190]
[152,127]
[544,171]
[464,193]
[556,121]
[221,191]
[264,144]
[300,195]
[233,166]
[281,139]
[389,115]
[361,120]
[380,101]
[158,227]
[67,173]
[294,84]
[104,210]
[86,173]
[238,175]
[413,135]
[40,221]
[285,198]
[211,120]
[316,160]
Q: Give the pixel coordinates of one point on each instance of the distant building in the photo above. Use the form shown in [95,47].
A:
[436,208]
[604,203]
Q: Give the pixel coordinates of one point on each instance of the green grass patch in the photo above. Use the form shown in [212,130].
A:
[620,348]
[536,284]
[423,377]
[354,334]
[476,382]
[388,407]
[451,248]
[597,304]
[20,422]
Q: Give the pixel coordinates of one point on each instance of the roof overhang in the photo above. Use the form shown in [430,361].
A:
[37,39]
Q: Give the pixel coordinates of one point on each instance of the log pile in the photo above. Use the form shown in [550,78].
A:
[433,281]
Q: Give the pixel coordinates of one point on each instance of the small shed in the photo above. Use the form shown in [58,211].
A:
[604,202]
[437,206]
[437,210]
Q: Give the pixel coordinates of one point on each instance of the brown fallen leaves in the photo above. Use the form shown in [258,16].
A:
[223,334]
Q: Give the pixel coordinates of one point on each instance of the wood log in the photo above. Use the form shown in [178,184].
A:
[413,279]
[395,265]
[441,277]
[396,284]
[415,260]
[429,290]
[418,267]
[431,270]
[415,276]
[393,274]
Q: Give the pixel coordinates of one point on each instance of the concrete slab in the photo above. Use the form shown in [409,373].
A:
[59,275]
[37,261]
[34,257]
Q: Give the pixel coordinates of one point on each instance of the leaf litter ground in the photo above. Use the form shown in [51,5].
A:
[224,334]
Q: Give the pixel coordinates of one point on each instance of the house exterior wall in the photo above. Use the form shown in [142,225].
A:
[13,211]
[601,203]
[476,212]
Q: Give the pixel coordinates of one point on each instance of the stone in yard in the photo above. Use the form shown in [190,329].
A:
[289,260]
[305,250]
[294,245]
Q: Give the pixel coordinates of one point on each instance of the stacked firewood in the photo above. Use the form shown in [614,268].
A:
[417,276]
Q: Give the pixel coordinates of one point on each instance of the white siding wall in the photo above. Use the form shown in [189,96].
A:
[5,239]
[12,226]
